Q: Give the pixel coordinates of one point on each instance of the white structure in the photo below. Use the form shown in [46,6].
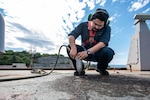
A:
[2,34]
[19,65]
[139,53]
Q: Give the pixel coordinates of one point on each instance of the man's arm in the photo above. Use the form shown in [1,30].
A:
[73,51]
[97,47]
[83,54]
[72,41]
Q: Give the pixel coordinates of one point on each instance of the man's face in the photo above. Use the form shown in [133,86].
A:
[97,24]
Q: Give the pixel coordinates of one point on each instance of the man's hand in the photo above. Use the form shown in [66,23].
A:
[73,53]
[82,55]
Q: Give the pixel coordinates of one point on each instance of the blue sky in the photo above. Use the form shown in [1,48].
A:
[43,25]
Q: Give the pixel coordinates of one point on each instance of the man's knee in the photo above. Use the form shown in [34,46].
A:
[105,54]
[108,51]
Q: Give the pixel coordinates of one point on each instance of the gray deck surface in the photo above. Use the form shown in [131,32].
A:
[62,85]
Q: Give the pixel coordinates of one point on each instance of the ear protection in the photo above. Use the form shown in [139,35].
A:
[106,15]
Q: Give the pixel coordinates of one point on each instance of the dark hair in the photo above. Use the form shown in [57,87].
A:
[101,14]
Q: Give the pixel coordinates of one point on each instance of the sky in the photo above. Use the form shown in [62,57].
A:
[43,25]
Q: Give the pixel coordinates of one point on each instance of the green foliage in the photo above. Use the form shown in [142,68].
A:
[10,57]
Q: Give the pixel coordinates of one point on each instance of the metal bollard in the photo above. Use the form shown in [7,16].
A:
[2,34]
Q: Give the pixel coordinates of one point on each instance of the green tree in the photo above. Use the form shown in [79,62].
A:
[10,57]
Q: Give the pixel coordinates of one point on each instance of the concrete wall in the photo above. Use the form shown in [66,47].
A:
[49,62]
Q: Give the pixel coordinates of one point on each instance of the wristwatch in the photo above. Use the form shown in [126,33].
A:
[88,52]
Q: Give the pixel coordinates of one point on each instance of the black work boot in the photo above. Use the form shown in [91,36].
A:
[79,74]
[103,72]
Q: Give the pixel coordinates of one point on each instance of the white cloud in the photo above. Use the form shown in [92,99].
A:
[138,4]
[102,2]
[91,3]
[122,1]
[40,23]
[147,10]
[114,0]
[114,17]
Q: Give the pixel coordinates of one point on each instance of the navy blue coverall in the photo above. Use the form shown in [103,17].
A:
[104,55]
